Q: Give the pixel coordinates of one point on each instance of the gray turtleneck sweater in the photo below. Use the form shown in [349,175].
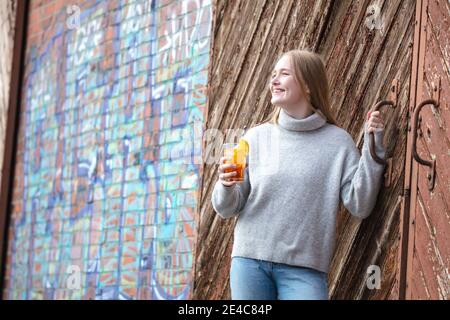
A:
[297,172]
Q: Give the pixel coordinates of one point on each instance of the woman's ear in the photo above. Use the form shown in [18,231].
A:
[308,92]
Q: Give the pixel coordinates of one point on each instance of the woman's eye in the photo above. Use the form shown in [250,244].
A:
[284,74]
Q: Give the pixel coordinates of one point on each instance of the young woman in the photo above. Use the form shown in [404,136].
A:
[301,164]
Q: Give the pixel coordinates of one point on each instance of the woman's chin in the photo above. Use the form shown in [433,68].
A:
[276,102]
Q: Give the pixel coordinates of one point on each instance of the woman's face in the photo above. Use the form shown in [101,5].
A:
[285,91]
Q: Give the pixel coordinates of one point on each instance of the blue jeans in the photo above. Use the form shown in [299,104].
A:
[252,279]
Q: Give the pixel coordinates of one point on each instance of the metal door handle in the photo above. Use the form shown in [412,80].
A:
[393,98]
[371,135]
[387,161]
[432,163]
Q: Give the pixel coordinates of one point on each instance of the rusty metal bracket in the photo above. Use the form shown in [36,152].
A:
[394,92]
[393,99]
[431,175]
[436,87]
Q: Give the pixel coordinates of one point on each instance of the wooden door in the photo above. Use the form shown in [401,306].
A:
[426,257]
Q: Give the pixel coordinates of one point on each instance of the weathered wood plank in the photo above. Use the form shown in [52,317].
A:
[7,18]
[348,278]
[430,276]
[361,65]
[431,253]
[7,31]
[419,285]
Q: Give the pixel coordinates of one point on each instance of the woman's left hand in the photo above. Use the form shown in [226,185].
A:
[375,122]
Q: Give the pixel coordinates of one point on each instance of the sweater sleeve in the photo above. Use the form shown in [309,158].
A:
[229,201]
[362,177]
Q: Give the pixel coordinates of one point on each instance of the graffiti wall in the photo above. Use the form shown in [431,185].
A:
[107,168]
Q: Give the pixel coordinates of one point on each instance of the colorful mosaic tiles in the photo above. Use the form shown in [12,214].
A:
[108,164]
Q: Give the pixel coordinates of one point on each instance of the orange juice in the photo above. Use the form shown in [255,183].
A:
[237,154]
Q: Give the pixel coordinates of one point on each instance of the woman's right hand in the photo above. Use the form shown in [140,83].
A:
[225,178]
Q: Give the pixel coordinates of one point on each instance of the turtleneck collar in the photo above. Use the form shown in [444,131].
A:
[312,122]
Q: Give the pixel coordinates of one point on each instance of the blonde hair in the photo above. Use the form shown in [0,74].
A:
[311,75]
